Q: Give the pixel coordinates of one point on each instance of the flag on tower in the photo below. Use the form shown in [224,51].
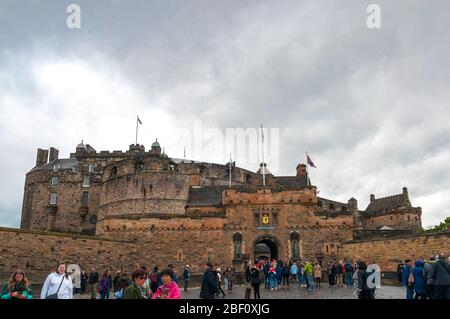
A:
[140,122]
[309,161]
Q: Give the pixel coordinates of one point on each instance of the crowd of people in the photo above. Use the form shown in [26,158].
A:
[422,279]
[426,279]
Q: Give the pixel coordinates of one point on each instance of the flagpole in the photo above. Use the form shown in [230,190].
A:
[137,125]
[230,170]
[307,183]
[262,148]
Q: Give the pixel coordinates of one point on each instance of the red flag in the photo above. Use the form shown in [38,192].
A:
[309,161]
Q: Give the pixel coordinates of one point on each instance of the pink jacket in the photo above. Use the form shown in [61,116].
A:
[171,290]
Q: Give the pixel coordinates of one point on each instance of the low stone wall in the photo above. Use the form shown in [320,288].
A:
[388,253]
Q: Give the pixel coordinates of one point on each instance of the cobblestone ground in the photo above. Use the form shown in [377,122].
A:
[294,292]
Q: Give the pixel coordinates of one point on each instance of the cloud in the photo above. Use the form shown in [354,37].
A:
[370,106]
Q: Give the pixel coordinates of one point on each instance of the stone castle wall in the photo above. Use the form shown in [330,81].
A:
[387,253]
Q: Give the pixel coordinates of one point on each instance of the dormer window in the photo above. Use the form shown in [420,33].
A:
[56,167]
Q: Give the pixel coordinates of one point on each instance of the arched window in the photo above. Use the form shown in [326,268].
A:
[237,243]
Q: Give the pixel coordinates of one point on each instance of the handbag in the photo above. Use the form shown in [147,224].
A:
[411,279]
[55,295]
[119,294]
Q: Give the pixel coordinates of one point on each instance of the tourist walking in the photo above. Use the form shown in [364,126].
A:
[364,291]
[406,279]
[18,287]
[186,277]
[318,274]
[348,268]
[58,285]
[272,278]
[441,277]
[230,277]
[309,275]
[122,283]
[248,282]
[294,272]
[93,280]
[219,282]
[285,274]
[104,285]
[419,280]
[137,290]
[428,276]
[208,283]
[155,279]
[331,273]
[169,289]
[340,274]
[256,281]
[83,281]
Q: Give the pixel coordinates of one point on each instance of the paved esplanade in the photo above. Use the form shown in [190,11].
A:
[296,292]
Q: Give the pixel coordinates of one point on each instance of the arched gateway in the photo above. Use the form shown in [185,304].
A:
[266,246]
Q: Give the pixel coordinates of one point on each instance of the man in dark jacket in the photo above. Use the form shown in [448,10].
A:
[93,280]
[208,283]
[441,278]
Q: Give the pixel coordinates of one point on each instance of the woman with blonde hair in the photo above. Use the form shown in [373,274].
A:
[18,287]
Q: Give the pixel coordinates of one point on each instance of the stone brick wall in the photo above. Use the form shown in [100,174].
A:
[398,219]
[389,252]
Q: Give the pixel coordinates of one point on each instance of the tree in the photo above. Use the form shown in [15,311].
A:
[443,226]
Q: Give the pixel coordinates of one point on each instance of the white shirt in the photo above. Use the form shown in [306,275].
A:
[52,283]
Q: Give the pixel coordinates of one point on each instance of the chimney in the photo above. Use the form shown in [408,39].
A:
[405,192]
[41,157]
[372,198]
[301,170]
[352,204]
[53,154]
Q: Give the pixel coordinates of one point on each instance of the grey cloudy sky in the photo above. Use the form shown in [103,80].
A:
[371,106]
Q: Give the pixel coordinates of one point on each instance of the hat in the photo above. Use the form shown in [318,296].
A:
[187,266]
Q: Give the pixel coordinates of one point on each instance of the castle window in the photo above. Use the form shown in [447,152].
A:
[256,219]
[113,171]
[53,198]
[409,218]
[319,203]
[86,181]
[91,168]
[392,217]
[248,178]
[331,206]
[55,181]
[416,218]
[84,198]
[139,166]
[237,243]
[56,167]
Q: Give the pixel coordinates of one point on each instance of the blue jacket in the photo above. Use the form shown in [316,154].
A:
[419,282]
[405,274]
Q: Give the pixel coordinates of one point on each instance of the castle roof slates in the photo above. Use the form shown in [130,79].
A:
[208,195]
[64,163]
[388,203]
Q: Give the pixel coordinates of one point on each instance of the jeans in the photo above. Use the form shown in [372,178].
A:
[272,281]
[310,282]
[409,293]
[186,284]
[349,279]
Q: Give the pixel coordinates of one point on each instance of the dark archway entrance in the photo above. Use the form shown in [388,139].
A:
[265,247]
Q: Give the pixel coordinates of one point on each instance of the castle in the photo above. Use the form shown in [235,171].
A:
[186,212]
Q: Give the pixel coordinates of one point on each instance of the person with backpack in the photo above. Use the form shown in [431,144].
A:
[340,274]
[419,280]
[218,273]
[441,278]
[294,272]
[364,291]
[428,276]
[230,276]
[317,274]
[256,280]
[122,283]
[285,275]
